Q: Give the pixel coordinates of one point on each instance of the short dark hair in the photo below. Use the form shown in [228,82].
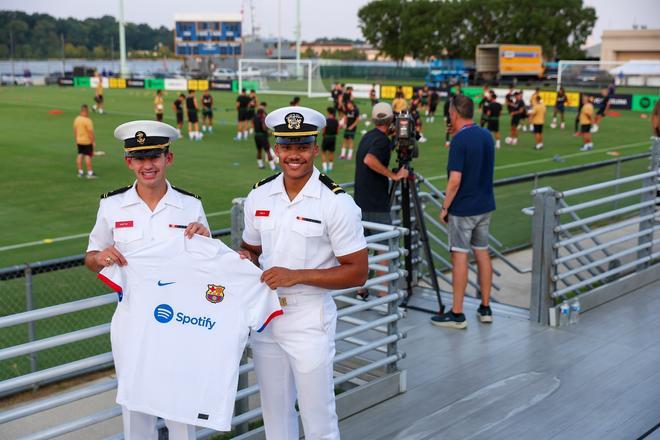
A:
[463,106]
[191,91]
[331,110]
[84,107]
[181,95]
[159,91]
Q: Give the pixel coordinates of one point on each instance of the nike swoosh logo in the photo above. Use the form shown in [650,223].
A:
[160,283]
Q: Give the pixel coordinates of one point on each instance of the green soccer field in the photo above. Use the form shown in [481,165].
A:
[44,201]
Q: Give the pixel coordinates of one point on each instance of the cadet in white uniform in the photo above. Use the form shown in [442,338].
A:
[129,218]
[306,233]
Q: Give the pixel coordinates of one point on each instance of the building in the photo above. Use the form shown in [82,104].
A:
[630,44]
[217,35]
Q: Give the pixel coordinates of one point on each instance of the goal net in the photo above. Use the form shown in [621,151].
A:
[285,77]
[633,73]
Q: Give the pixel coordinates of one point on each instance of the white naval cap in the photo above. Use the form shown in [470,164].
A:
[145,138]
[295,125]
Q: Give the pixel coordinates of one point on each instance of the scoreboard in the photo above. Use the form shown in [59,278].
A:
[208,34]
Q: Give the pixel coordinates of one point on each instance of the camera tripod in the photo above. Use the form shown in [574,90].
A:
[409,193]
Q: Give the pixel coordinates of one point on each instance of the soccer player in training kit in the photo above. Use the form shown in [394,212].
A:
[352,113]
[328,146]
[132,217]
[261,138]
[192,108]
[252,107]
[99,106]
[83,133]
[537,118]
[306,234]
[158,105]
[586,118]
[493,116]
[518,112]
[434,99]
[207,112]
[603,108]
[178,110]
[242,104]
[560,107]
[372,95]
[483,106]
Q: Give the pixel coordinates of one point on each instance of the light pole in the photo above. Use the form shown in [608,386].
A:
[123,69]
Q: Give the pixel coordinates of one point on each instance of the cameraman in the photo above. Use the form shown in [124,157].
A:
[372,174]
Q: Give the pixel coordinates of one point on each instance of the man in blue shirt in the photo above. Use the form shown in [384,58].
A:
[469,202]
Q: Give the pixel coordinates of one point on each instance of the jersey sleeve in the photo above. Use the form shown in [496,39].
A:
[113,277]
[101,235]
[201,216]
[345,226]
[260,302]
[456,156]
[250,233]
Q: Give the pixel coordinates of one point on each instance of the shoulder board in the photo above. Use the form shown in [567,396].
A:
[123,189]
[331,184]
[266,180]
[183,191]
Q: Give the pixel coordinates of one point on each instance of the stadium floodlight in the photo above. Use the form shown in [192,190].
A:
[636,73]
[283,77]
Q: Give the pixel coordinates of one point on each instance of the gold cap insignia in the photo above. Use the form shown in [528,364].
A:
[294,121]
[140,137]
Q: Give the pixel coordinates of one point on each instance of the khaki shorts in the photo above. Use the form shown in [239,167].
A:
[468,232]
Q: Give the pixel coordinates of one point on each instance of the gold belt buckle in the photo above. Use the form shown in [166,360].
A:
[282,301]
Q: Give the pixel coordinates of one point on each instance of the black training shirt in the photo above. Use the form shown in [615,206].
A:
[371,188]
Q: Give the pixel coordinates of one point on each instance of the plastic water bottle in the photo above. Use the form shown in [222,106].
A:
[564,311]
[575,311]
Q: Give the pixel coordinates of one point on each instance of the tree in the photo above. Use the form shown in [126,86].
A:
[433,28]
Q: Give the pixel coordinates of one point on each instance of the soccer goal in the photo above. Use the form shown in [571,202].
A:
[634,73]
[284,77]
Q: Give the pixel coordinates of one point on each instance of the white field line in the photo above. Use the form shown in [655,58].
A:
[443,176]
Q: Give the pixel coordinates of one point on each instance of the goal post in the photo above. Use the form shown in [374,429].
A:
[283,77]
[633,73]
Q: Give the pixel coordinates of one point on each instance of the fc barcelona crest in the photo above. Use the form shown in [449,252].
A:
[215,293]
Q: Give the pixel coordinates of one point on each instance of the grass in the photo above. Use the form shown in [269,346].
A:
[43,198]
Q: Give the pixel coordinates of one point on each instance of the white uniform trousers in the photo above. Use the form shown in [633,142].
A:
[294,358]
[141,426]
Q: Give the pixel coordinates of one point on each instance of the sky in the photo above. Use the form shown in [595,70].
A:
[335,18]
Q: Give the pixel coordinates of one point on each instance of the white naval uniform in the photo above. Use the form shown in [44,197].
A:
[296,351]
[125,221]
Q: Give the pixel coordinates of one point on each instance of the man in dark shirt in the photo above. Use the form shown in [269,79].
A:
[467,207]
[517,112]
[252,107]
[493,115]
[372,173]
[178,109]
[434,98]
[207,112]
[329,140]
[261,138]
[242,103]
[193,119]
[603,108]
[352,113]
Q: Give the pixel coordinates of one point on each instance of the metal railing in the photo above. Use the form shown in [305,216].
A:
[366,339]
[589,243]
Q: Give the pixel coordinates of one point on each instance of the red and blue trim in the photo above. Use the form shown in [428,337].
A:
[275,314]
[112,285]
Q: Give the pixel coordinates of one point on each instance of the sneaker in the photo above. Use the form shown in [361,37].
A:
[80,174]
[485,314]
[450,320]
[92,176]
[362,294]
[585,148]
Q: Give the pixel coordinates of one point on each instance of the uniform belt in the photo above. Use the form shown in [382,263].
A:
[295,299]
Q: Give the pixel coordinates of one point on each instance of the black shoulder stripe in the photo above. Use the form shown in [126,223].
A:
[183,191]
[266,180]
[331,184]
[123,189]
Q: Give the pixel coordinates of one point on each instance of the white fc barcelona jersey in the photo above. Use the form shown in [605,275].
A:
[187,308]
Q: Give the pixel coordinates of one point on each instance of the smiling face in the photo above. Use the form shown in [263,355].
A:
[150,172]
[297,160]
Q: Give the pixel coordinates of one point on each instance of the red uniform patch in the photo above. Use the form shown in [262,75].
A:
[124,224]
[262,213]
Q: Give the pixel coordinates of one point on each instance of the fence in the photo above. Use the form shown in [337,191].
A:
[365,365]
[589,243]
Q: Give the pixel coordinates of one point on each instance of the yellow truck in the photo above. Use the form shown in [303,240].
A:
[495,61]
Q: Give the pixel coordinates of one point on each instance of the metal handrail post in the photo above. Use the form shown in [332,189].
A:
[392,307]
[29,305]
[543,253]
[647,224]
